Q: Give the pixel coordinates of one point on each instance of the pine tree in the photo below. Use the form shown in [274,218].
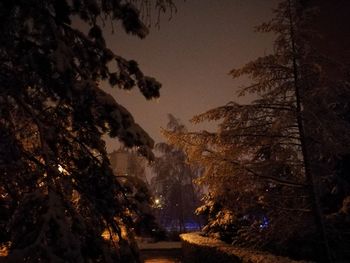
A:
[55,176]
[270,160]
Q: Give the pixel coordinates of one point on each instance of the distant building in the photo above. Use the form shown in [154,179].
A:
[127,163]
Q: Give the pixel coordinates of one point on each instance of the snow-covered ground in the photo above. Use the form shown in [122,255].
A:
[196,245]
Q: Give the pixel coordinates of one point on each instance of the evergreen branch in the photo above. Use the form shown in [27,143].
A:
[252,172]
[263,135]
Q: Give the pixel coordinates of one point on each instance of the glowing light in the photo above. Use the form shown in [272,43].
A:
[264,222]
[157,201]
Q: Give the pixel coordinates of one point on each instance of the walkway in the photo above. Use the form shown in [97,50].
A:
[160,252]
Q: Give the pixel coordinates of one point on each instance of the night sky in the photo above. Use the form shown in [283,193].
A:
[191,56]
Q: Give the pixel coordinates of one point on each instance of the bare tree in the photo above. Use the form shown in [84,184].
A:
[173,183]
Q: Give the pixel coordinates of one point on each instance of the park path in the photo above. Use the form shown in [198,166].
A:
[161,252]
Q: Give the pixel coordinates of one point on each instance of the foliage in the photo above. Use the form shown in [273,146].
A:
[222,223]
[54,171]
[271,161]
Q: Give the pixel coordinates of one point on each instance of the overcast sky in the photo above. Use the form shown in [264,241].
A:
[191,56]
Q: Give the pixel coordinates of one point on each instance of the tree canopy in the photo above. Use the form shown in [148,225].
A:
[56,183]
[270,164]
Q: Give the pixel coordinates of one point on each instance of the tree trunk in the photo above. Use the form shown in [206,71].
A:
[310,178]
